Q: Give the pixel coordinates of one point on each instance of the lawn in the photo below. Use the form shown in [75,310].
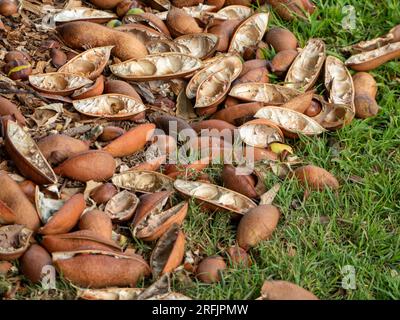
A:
[357,226]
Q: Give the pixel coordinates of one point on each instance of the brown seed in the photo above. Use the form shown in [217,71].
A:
[58,57]
[282,61]
[98,222]
[121,87]
[103,193]
[314,109]
[209,269]
[281,39]
[8,8]
[16,55]
[110,133]
[316,178]
[33,262]
[238,257]
[284,290]
[180,23]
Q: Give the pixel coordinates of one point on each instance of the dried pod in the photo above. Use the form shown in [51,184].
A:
[142,33]
[316,178]
[235,114]
[229,65]
[282,61]
[121,87]
[8,8]
[132,141]
[143,181]
[58,147]
[83,14]
[78,240]
[109,293]
[291,122]
[231,12]
[18,69]
[98,269]
[305,69]
[14,241]
[98,222]
[89,165]
[62,84]
[238,257]
[281,39]
[175,127]
[249,32]
[89,64]
[12,197]
[7,215]
[259,75]
[213,126]
[149,19]
[284,290]
[103,193]
[89,91]
[156,67]
[214,197]
[151,165]
[165,45]
[9,108]
[253,64]
[260,133]
[34,261]
[370,60]
[289,9]
[365,90]
[180,23]
[271,94]
[122,206]
[224,31]
[257,225]
[168,252]
[300,103]
[187,170]
[110,106]
[186,3]
[78,35]
[199,45]
[209,269]
[26,155]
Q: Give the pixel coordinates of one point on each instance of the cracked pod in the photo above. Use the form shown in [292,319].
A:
[160,66]
[109,106]
[83,14]
[260,133]
[214,197]
[89,64]
[142,33]
[148,19]
[14,241]
[122,206]
[234,12]
[305,69]
[168,252]
[249,32]
[143,181]
[198,45]
[100,269]
[26,155]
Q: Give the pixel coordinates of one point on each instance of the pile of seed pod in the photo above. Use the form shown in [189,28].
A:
[201,67]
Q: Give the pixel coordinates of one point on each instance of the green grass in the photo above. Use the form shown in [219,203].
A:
[357,226]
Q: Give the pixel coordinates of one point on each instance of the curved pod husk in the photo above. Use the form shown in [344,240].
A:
[260,133]
[235,12]
[99,269]
[305,69]
[89,64]
[142,33]
[198,45]
[168,252]
[26,155]
[14,241]
[165,45]
[122,206]
[110,106]
[249,32]
[263,92]
[58,83]
[83,14]
[149,19]
[214,196]
[143,181]
[292,122]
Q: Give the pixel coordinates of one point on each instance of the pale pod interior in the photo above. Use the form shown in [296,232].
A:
[58,81]
[197,45]
[81,13]
[142,181]
[259,135]
[122,205]
[261,92]
[13,238]
[339,82]
[213,89]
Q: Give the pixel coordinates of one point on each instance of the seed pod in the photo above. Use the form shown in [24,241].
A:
[257,225]
[26,155]
[18,69]
[281,39]
[14,241]
[148,19]
[253,64]
[260,133]
[316,178]
[224,31]
[282,61]
[9,108]
[122,206]
[7,215]
[182,131]
[259,75]
[283,290]
[8,8]
[289,9]
[88,165]
[33,262]
[121,87]
[98,222]
[103,193]
[142,33]
[209,269]
[28,188]
[238,257]
[83,14]
[180,23]
[305,69]
[220,127]
[199,45]
[143,181]
[98,269]
[235,114]
[58,57]
[365,90]
[90,91]
[58,147]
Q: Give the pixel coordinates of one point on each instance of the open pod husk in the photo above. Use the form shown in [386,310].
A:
[26,155]
[90,90]
[154,223]
[284,290]
[168,252]
[109,293]
[161,290]
[165,45]
[122,206]
[263,92]
[234,12]
[290,121]
[214,197]
[231,65]
[142,33]
[370,60]
[198,45]
[83,14]
[148,19]
[100,269]
[89,64]
[260,133]
[58,83]
[305,69]
[110,106]
[160,66]
[14,241]
[143,181]
[249,32]
[78,240]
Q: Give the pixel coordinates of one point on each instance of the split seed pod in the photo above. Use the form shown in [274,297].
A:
[198,45]
[90,91]
[98,222]
[62,84]
[83,14]
[99,269]
[14,241]
[34,261]
[289,9]
[143,181]
[305,69]
[316,178]
[148,19]
[168,252]
[284,290]
[122,206]
[260,133]
[26,155]
[235,12]
[142,33]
